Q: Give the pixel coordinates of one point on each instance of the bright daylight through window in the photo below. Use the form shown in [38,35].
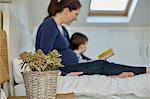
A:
[109,7]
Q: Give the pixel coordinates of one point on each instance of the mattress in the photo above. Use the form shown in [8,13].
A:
[95,86]
[100,86]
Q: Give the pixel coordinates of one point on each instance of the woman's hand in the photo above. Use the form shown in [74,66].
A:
[74,73]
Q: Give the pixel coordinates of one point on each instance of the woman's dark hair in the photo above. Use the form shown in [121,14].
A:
[56,6]
[77,39]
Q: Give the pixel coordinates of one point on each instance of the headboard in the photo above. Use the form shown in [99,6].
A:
[4,76]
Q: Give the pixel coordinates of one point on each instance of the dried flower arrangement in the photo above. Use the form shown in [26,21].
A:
[41,62]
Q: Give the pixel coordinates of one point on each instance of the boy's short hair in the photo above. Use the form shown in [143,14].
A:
[77,39]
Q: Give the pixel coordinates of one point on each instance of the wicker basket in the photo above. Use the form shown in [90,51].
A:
[40,85]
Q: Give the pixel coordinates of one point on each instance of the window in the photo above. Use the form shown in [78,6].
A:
[109,7]
[111,11]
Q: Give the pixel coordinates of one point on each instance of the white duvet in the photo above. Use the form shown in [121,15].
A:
[94,85]
[99,85]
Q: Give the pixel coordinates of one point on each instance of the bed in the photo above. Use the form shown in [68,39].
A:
[94,86]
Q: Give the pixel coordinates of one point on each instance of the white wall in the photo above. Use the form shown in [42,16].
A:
[20,31]
[124,41]
[38,11]
[148,14]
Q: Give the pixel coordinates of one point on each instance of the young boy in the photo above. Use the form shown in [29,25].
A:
[78,43]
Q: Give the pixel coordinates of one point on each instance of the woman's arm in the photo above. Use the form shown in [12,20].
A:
[47,38]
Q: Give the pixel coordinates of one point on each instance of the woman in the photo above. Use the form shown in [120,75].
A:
[52,35]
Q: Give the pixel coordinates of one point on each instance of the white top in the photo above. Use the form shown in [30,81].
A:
[80,58]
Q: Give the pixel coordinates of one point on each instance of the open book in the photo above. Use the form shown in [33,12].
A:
[106,54]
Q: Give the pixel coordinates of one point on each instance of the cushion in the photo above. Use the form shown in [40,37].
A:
[17,71]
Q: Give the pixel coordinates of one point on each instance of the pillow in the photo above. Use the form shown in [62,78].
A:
[17,70]
[2,94]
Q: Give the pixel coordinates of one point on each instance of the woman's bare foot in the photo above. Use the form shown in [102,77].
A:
[148,70]
[126,74]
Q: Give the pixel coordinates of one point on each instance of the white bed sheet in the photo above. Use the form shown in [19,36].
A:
[100,86]
[93,85]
